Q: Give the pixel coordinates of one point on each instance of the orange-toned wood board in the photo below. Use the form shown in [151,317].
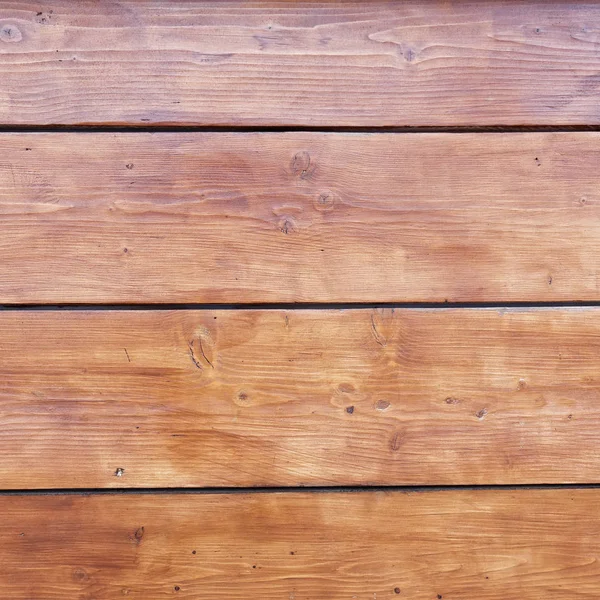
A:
[279,398]
[319,64]
[453,545]
[299,217]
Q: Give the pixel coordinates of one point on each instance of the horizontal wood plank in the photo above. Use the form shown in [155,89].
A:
[455,545]
[279,398]
[378,63]
[299,217]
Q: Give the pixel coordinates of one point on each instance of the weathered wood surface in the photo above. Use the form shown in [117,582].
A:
[376,63]
[455,545]
[299,217]
[278,398]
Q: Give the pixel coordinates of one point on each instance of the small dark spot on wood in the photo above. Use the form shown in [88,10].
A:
[481,414]
[243,396]
[21,534]
[127,355]
[396,441]
[396,590]
[139,534]
[537,31]
[27,149]
[569,417]
[137,426]
[119,472]
[292,553]
[193,552]
[410,55]
[538,162]
[549,279]
[254,566]
[350,409]
[382,405]
[129,166]
[451,400]
[176,588]
[439,597]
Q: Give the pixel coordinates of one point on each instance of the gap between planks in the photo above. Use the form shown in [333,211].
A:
[302,306]
[108,128]
[354,489]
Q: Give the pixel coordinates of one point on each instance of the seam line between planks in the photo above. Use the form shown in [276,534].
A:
[407,489]
[108,128]
[297,306]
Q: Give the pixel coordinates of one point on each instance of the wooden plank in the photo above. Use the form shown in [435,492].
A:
[279,398]
[379,63]
[299,217]
[455,545]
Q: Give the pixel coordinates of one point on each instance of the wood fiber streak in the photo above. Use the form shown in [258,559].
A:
[299,217]
[294,398]
[379,63]
[455,545]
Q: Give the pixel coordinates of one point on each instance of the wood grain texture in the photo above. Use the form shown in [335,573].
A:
[379,63]
[299,217]
[376,63]
[276,398]
[455,545]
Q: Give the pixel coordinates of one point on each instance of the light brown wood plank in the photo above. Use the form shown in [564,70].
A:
[279,398]
[455,545]
[379,63]
[299,217]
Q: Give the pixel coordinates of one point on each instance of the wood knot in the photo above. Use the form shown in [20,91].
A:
[287,225]
[396,441]
[346,388]
[80,575]
[301,165]
[10,33]
[410,55]
[200,350]
[481,413]
[325,201]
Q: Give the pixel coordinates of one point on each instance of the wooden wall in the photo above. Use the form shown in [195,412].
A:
[299,300]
